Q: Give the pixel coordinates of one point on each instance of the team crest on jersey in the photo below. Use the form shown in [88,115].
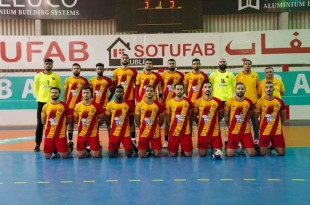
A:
[186,106]
[277,106]
[246,107]
[213,106]
[155,110]
[227,76]
[53,121]
[60,110]
[125,108]
[92,111]
[252,76]
[53,78]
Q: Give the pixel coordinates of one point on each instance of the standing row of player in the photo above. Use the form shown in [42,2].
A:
[152,94]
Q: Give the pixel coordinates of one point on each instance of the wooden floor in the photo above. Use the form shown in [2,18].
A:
[22,138]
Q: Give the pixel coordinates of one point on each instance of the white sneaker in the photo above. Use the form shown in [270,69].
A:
[165,145]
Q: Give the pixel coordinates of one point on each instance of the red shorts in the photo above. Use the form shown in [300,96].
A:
[83,142]
[60,144]
[245,139]
[185,140]
[215,142]
[144,143]
[276,140]
[114,142]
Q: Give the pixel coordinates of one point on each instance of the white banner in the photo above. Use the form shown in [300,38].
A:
[267,47]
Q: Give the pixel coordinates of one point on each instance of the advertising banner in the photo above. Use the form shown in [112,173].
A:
[57,9]
[253,6]
[263,48]
[16,92]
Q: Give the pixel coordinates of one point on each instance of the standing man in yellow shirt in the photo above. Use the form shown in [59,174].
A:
[279,88]
[43,82]
[223,82]
[251,80]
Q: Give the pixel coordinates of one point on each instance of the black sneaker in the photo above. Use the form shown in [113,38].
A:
[149,152]
[36,148]
[70,145]
[134,145]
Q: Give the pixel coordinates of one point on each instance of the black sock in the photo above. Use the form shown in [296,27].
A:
[133,135]
[70,136]
[166,138]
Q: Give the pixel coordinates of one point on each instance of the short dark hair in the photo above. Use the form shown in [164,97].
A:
[87,87]
[148,59]
[240,84]
[55,88]
[178,84]
[119,87]
[268,82]
[269,67]
[49,60]
[100,64]
[195,59]
[247,60]
[171,59]
[150,86]
[76,64]
[208,82]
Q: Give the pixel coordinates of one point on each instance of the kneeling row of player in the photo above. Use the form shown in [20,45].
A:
[179,113]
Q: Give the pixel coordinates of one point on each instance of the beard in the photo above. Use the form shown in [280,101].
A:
[240,95]
[172,69]
[222,67]
[125,63]
[55,97]
[76,74]
[179,94]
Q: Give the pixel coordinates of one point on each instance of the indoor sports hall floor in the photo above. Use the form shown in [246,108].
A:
[27,178]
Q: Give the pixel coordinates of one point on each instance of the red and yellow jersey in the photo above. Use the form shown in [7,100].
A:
[125,78]
[119,113]
[208,111]
[239,112]
[194,83]
[169,80]
[101,89]
[278,87]
[179,112]
[56,119]
[87,116]
[73,86]
[143,80]
[149,118]
[251,82]
[270,120]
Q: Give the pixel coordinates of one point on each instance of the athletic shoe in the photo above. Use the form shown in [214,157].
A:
[88,149]
[134,145]
[55,156]
[165,145]
[149,152]
[70,145]
[36,148]
[256,147]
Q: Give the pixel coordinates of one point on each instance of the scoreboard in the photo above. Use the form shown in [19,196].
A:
[159,15]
